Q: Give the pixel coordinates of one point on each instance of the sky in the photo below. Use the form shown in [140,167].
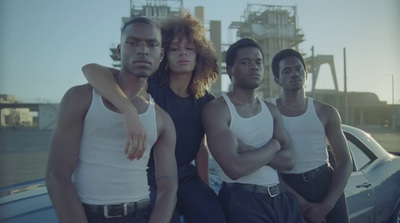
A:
[44,43]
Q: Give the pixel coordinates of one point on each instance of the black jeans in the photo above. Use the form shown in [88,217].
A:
[315,191]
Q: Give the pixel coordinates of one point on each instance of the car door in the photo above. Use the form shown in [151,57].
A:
[358,191]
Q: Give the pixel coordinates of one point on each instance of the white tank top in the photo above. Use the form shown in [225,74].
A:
[254,131]
[308,138]
[104,175]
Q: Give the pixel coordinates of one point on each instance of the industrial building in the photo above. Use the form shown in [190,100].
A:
[275,28]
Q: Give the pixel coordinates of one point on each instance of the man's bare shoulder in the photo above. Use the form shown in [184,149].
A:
[272,107]
[78,94]
[163,119]
[216,104]
[322,107]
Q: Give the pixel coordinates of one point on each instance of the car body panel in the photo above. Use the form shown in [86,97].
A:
[28,202]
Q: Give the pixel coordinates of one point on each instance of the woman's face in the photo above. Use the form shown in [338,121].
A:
[181,56]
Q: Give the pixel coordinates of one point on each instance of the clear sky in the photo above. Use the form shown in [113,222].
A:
[44,43]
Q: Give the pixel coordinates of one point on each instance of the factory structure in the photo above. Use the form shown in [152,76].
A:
[275,28]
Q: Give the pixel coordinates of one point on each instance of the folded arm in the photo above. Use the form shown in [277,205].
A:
[102,80]
[63,155]
[224,145]
[284,159]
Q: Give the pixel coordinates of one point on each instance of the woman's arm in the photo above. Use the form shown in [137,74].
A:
[202,162]
[102,80]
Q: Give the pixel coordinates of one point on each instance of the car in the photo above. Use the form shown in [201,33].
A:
[372,192]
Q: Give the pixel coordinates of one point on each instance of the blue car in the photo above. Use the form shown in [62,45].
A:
[372,193]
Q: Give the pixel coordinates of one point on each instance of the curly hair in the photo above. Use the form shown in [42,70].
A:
[206,69]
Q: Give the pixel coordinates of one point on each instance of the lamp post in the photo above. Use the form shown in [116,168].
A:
[392,75]
[393,110]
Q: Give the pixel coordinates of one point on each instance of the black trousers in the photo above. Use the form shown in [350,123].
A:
[315,191]
[242,206]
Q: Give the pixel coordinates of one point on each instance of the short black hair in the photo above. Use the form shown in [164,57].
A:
[139,20]
[242,43]
[284,54]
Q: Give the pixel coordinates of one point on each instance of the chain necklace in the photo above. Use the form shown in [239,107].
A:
[304,106]
[240,102]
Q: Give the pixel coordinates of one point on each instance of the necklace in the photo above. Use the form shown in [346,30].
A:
[304,106]
[240,102]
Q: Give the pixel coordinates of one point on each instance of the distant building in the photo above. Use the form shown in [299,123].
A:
[14,117]
[7,98]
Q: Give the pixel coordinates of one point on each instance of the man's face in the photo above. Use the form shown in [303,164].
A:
[292,75]
[248,68]
[181,56]
[140,49]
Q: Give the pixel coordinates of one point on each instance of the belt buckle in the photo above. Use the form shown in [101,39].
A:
[311,173]
[115,216]
[269,191]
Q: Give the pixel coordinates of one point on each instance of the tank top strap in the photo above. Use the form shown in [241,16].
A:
[228,102]
[310,106]
[263,104]
[232,109]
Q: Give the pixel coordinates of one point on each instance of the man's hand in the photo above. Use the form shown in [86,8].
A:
[315,212]
[136,137]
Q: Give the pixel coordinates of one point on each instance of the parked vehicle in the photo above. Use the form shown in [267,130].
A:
[372,193]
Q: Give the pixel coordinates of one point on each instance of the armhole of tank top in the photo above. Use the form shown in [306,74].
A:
[152,106]
[231,108]
[264,106]
[92,103]
[311,106]
[151,102]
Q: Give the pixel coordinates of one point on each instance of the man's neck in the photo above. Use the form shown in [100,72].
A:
[244,97]
[294,100]
[131,85]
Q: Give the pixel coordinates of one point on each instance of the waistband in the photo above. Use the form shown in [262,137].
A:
[272,191]
[309,175]
[117,210]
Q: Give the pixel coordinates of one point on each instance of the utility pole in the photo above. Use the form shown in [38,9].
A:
[393,109]
[346,102]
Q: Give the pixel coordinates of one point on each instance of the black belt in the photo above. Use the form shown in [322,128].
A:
[272,191]
[309,175]
[117,210]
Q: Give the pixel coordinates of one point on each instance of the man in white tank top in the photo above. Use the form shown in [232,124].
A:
[247,138]
[310,124]
[91,175]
